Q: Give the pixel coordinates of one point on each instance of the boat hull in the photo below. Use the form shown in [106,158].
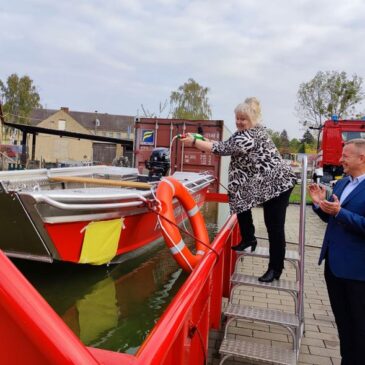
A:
[46,221]
[139,231]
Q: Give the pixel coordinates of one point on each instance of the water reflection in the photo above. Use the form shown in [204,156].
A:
[113,307]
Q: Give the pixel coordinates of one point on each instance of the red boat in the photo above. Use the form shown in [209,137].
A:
[94,215]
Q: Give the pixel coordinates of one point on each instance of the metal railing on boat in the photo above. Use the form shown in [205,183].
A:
[139,200]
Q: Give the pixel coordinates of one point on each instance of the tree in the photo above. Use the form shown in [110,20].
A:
[284,139]
[328,93]
[302,148]
[190,101]
[19,97]
[307,137]
[275,136]
[294,145]
[161,109]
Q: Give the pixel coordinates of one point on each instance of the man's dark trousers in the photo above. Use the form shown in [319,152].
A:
[347,299]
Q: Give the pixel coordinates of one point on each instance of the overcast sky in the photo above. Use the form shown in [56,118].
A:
[113,56]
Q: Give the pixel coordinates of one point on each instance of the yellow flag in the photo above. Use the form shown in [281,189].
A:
[101,242]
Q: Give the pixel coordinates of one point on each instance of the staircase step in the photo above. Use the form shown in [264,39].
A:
[256,351]
[285,285]
[261,314]
[264,252]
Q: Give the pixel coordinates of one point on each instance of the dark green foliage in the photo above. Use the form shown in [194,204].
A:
[307,137]
[284,139]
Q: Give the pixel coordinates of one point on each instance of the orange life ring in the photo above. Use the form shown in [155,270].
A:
[167,190]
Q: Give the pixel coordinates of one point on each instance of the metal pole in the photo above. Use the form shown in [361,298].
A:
[303,193]
[1,123]
[33,146]
[182,150]
[24,150]
[319,129]
[156,128]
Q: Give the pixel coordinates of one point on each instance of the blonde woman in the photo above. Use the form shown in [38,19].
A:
[257,175]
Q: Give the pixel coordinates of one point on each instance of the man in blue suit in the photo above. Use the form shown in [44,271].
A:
[344,250]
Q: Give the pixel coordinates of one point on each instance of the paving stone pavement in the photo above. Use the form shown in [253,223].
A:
[320,344]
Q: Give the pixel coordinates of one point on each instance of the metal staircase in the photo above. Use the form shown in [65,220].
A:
[292,322]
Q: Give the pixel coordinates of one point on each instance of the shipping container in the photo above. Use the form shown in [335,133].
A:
[152,133]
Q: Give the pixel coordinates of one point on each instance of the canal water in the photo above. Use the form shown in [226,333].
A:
[114,307]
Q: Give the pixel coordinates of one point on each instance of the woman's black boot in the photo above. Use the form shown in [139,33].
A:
[243,245]
[269,276]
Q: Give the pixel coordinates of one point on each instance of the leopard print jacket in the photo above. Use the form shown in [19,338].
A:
[256,172]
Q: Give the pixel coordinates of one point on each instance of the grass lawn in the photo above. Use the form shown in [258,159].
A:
[295,195]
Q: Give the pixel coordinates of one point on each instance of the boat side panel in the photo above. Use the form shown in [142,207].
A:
[18,233]
[138,231]
[67,238]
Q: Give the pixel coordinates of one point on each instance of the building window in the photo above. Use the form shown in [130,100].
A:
[61,125]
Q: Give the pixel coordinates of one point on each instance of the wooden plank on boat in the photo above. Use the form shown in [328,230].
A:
[89,180]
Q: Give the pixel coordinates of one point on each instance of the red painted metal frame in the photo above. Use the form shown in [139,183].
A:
[34,334]
[194,306]
[217,197]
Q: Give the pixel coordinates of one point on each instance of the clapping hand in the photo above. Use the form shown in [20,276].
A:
[331,208]
[317,193]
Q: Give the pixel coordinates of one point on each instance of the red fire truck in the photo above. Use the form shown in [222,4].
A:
[333,135]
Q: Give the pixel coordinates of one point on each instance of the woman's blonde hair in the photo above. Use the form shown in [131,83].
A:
[251,107]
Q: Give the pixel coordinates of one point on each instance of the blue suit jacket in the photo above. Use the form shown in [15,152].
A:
[344,240]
